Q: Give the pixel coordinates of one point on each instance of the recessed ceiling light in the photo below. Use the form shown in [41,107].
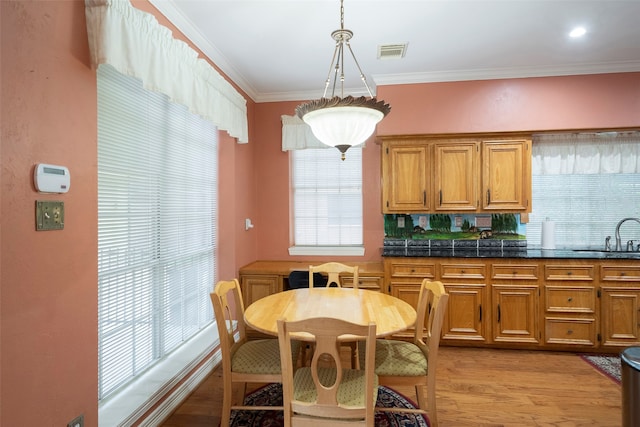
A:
[577,32]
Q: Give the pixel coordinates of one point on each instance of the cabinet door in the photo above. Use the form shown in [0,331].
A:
[410,293]
[620,317]
[506,175]
[258,286]
[515,316]
[405,177]
[463,319]
[456,176]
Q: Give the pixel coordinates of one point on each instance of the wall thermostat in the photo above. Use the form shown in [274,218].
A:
[51,178]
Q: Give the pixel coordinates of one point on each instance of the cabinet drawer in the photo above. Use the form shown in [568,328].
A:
[570,299]
[514,272]
[423,271]
[462,271]
[370,283]
[569,272]
[620,273]
[570,331]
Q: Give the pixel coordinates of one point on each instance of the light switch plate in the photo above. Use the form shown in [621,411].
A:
[49,215]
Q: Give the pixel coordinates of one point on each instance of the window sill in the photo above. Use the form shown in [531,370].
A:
[327,250]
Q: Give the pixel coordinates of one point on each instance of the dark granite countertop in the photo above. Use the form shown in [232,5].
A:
[494,249]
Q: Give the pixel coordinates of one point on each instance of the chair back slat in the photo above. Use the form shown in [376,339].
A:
[333,271]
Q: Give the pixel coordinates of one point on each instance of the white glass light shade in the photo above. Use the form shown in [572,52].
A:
[343,125]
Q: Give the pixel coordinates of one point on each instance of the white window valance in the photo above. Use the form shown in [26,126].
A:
[297,135]
[586,153]
[135,44]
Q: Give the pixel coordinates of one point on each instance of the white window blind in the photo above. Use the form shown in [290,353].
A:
[327,197]
[585,208]
[157,211]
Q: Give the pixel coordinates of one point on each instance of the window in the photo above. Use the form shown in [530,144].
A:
[585,208]
[157,204]
[327,202]
[586,183]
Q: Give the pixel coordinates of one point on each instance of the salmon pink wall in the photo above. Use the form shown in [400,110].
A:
[535,104]
[549,103]
[272,195]
[48,279]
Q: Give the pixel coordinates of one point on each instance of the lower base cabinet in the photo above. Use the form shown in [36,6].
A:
[620,304]
[516,314]
[547,304]
[464,320]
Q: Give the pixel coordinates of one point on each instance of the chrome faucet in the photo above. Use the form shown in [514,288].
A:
[618,243]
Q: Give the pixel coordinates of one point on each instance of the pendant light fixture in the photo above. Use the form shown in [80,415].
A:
[340,121]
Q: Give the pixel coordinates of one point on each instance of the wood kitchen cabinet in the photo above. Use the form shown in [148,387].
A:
[506,175]
[469,174]
[406,178]
[468,315]
[515,296]
[404,277]
[620,304]
[456,176]
[547,304]
[570,298]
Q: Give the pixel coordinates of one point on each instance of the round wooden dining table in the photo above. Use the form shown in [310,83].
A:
[390,314]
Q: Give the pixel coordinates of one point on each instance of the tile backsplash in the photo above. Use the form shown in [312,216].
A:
[457,227]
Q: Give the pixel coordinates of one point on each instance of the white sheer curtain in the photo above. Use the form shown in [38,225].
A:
[586,153]
[134,43]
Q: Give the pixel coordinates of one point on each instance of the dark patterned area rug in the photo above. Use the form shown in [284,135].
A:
[271,395]
[608,364]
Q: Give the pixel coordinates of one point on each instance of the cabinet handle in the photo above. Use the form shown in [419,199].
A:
[424,198]
[569,332]
[498,313]
[440,204]
[488,196]
[480,310]
[570,299]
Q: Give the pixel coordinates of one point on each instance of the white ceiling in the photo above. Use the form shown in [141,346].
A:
[281,50]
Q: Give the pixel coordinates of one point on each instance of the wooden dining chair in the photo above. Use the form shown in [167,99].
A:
[326,392]
[333,270]
[243,361]
[403,363]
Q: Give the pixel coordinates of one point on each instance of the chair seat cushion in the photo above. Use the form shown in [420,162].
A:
[351,391]
[260,357]
[400,359]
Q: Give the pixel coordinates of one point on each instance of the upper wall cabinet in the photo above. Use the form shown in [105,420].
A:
[506,175]
[478,174]
[406,177]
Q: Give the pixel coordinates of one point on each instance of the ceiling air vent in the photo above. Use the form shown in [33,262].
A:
[392,51]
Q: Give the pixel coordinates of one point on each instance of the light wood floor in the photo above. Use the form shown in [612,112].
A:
[482,387]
